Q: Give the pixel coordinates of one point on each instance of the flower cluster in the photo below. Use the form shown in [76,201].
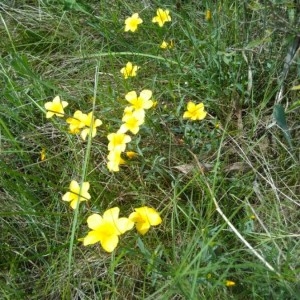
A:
[86,123]
[167,45]
[162,16]
[117,145]
[133,118]
[131,24]
[106,229]
[193,112]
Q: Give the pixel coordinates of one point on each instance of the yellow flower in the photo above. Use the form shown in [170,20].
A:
[161,17]
[195,111]
[114,160]
[229,283]
[118,141]
[145,217]
[43,154]
[129,70]
[128,110]
[132,22]
[132,122]
[107,229]
[77,193]
[91,124]
[165,45]
[55,107]
[131,154]
[140,103]
[207,15]
[75,130]
[77,121]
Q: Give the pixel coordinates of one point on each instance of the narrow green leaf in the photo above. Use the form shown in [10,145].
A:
[76,5]
[279,115]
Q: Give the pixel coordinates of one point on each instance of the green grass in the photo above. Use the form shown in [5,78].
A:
[228,195]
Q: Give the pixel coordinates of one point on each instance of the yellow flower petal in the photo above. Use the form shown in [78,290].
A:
[131,96]
[74,187]
[84,133]
[149,214]
[92,238]
[191,106]
[146,94]
[49,114]
[111,214]
[131,154]
[118,141]
[84,190]
[94,221]
[109,243]
[113,166]
[68,196]
[124,224]
[74,203]
[142,228]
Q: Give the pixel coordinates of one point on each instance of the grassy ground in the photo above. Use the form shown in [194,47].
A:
[227,187]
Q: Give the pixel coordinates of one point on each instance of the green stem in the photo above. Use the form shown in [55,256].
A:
[102,54]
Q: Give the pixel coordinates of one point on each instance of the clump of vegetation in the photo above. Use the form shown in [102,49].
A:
[179,121]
